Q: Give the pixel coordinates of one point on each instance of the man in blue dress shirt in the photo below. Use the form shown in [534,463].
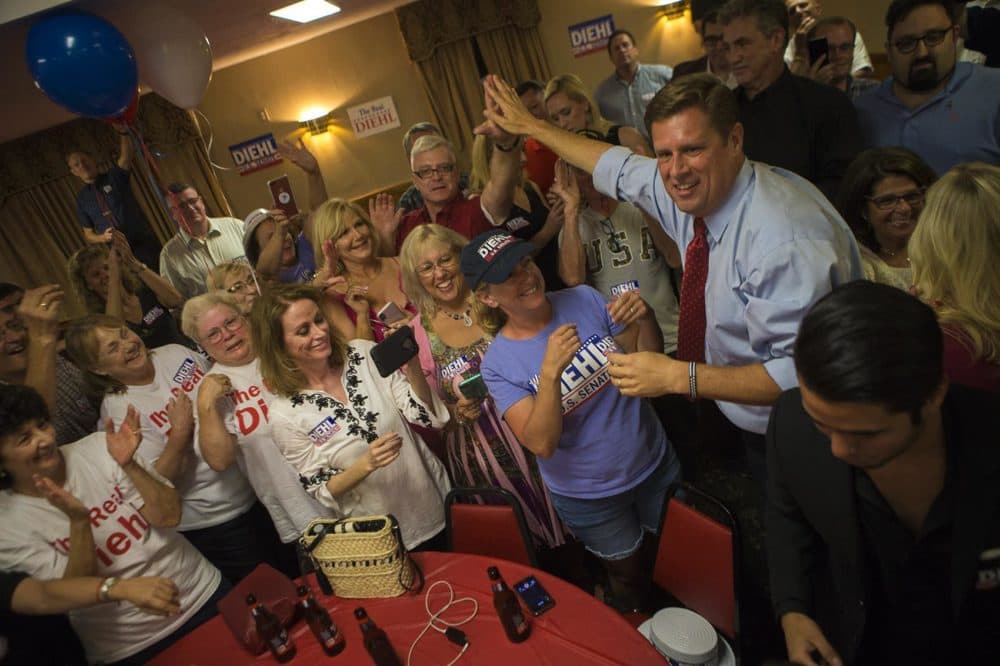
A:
[775,244]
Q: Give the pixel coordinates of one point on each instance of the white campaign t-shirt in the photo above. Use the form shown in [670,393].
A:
[35,539]
[210,498]
[272,477]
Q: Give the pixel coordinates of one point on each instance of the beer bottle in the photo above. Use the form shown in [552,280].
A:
[319,621]
[515,623]
[271,630]
[376,642]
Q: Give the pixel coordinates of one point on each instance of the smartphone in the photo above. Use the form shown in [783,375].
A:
[390,314]
[534,596]
[281,194]
[473,387]
[393,352]
[817,48]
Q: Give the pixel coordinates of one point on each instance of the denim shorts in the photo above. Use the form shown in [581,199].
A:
[612,527]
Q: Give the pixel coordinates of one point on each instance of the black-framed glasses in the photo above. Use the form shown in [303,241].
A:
[913,199]
[445,261]
[232,325]
[428,172]
[930,38]
[609,230]
[189,203]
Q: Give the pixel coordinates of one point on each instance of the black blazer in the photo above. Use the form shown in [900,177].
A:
[813,536]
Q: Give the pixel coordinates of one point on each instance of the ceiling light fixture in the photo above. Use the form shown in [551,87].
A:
[306,11]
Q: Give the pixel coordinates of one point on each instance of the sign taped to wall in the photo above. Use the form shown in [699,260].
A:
[373,117]
[591,36]
[255,154]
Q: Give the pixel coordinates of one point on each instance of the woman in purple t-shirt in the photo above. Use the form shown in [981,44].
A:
[604,456]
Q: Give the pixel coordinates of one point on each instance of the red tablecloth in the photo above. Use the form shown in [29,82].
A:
[578,630]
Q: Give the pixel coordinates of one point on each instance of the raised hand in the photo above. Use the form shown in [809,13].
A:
[123,443]
[61,498]
[299,155]
[39,310]
[383,451]
[565,186]
[384,215]
[505,109]
[180,412]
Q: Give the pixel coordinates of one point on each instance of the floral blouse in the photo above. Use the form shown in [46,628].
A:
[321,437]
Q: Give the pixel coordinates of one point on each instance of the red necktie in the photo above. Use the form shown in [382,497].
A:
[691,327]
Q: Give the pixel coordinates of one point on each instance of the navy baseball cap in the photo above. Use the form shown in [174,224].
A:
[492,256]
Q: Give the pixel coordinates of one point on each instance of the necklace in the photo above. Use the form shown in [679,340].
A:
[892,255]
[464,317]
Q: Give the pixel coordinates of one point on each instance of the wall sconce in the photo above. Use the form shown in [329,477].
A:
[318,124]
[673,10]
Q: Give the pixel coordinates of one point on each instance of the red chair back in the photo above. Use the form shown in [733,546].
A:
[492,530]
[696,562]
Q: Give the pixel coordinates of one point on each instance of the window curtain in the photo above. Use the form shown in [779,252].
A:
[455,42]
[39,228]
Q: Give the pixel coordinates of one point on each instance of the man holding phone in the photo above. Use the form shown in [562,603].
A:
[803,15]
[835,38]
[789,121]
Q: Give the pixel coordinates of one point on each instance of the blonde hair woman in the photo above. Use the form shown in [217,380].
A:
[341,425]
[954,252]
[454,330]
[349,262]
[570,106]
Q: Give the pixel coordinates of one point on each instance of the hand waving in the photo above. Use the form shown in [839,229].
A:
[299,155]
[61,498]
[123,443]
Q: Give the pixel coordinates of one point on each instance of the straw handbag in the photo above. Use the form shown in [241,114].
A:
[361,558]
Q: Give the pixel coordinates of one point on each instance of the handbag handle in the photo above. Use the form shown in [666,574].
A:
[405,554]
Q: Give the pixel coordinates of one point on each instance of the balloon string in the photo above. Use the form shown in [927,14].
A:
[169,200]
[211,137]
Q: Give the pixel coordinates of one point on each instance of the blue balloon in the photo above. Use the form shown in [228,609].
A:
[83,63]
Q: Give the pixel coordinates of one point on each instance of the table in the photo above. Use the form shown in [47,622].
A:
[579,630]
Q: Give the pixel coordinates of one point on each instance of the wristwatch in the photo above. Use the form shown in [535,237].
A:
[105,589]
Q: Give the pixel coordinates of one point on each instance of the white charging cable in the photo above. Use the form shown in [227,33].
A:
[448,628]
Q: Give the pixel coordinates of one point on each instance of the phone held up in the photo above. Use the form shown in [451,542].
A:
[394,351]
[390,314]
[281,194]
[817,49]
[534,596]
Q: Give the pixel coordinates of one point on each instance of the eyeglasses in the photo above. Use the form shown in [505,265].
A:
[232,325]
[445,261]
[241,286]
[439,170]
[189,203]
[929,38]
[609,229]
[890,201]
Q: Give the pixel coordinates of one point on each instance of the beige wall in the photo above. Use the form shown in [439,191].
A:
[358,64]
[368,60]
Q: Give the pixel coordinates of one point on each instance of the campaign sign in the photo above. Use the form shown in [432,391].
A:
[591,36]
[373,117]
[255,154]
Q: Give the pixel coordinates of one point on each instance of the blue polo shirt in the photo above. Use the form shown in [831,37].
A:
[959,124]
[625,103]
